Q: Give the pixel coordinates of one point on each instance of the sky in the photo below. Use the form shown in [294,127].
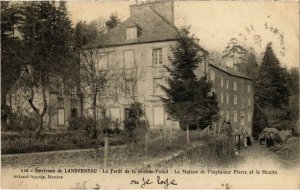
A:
[253,23]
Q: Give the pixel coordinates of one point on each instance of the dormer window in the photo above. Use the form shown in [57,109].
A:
[131,33]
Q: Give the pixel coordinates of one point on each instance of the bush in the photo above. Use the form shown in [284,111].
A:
[135,117]
[20,123]
[80,123]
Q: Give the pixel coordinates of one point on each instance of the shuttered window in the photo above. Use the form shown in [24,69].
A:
[157,56]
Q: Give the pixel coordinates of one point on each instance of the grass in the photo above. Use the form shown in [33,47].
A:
[25,142]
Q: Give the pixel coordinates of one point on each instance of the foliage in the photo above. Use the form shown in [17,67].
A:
[134,119]
[94,79]
[45,38]
[113,21]
[235,51]
[271,85]
[80,123]
[19,123]
[11,48]
[85,33]
[188,98]
[250,65]
[293,86]
[6,112]
[293,80]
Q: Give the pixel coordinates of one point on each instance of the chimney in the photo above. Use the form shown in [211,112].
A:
[163,8]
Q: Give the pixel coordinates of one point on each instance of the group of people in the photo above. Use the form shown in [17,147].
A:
[266,138]
[239,136]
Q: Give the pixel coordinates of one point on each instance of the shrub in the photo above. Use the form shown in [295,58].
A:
[20,123]
[135,117]
[116,126]
[80,123]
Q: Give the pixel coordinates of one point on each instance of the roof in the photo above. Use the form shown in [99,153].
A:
[230,71]
[152,28]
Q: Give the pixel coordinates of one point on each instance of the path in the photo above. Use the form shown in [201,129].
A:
[259,156]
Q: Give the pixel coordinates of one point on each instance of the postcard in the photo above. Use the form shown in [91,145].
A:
[150,94]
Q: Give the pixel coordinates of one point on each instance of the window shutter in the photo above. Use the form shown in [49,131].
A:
[165,56]
[149,56]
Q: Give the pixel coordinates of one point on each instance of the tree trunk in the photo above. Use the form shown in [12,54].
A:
[94,133]
[39,128]
[41,115]
[187,133]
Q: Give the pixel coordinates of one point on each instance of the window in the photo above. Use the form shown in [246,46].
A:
[157,56]
[156,85]
[242,118]
[115,114]
[129,59]
[222,82]
[227,116]
[235,86]
[74,91]
[249,116]
[60,116]
[60,89]
[212,76]
[235,116]
[249,102]
[131,33]
[103,63]
[227,98]
[248,88]
[235,99]
[158,115]
[227,84]
[130,87]
[221,114]
[222,98]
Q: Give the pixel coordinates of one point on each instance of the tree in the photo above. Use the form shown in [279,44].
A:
[293,86]
[47,36]
[188,99]
[293,80]
[11,46]
[235,51]
[93,80]
[113,21]
[94,71]
[271,84]
[248,65]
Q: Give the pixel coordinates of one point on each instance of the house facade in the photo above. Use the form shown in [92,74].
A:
[235,97]
[138,49]
[64,104]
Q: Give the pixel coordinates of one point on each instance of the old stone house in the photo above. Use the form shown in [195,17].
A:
[140,47]
[235,94]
